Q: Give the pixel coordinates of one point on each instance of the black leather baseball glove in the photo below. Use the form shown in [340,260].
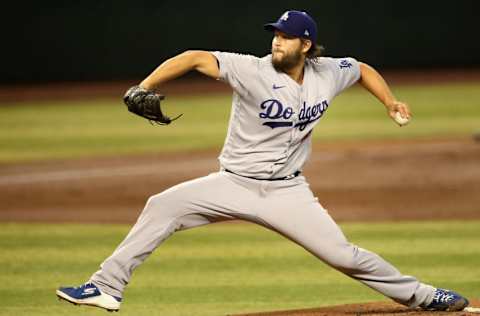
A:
[147,105]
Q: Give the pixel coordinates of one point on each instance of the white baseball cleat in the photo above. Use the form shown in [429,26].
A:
[89,294]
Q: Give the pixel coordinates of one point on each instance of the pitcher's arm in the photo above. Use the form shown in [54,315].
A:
[201,61]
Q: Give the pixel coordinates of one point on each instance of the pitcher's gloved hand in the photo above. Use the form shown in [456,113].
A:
[147,105]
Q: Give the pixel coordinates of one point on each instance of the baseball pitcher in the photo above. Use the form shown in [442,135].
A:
[277,101]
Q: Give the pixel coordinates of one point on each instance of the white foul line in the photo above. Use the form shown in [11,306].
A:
[167,168]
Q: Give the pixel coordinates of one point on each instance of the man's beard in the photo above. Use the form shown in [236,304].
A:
[287,62]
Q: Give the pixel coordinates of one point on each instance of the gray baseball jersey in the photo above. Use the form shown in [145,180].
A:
[268,137]
[273,116]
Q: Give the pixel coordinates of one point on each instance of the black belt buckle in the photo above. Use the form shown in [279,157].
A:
[291,176]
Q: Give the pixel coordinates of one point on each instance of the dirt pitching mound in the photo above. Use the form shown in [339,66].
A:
[378,308]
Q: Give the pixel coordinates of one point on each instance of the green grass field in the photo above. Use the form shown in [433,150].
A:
[225,269]
[222,269]
[61,129]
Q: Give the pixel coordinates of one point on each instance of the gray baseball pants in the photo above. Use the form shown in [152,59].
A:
[286,206]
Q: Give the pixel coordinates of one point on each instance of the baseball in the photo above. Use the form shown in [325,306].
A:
[401,120]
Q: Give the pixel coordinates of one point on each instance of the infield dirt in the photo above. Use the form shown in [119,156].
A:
[360,181]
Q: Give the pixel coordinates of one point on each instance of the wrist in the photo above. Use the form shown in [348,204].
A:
[390,104]
[147,85]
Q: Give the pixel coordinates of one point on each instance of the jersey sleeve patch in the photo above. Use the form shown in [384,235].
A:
[346,72]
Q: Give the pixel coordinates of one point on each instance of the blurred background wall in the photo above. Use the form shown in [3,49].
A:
[48,41]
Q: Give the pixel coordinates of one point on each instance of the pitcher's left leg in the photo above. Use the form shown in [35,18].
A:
[302,219]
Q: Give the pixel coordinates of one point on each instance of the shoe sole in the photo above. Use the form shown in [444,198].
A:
[65,297]
[458,306]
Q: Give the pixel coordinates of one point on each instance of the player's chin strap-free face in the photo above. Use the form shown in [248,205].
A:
[146,104]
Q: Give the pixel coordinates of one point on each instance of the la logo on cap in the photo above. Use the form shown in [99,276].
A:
[306,33]
[284,16]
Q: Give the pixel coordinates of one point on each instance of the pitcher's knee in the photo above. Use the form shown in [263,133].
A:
[162,205]
[348,259]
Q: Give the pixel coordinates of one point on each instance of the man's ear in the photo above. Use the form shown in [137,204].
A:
[306,45]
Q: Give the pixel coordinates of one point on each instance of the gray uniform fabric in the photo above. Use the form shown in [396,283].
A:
[271,145]
[272,116]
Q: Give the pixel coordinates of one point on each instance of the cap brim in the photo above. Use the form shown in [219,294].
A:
[273,26]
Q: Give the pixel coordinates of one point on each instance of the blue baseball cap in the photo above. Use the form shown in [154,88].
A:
[295,23]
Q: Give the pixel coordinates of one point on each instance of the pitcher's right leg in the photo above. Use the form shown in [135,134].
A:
[186,205]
